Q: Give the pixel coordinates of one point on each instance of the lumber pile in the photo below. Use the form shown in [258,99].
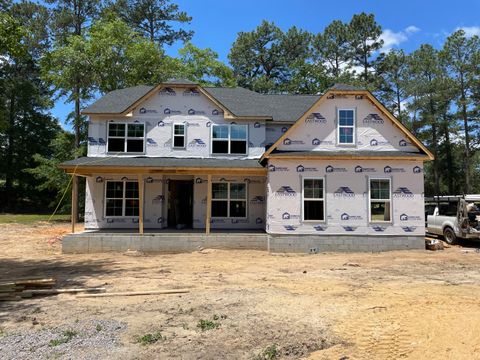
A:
[18,289]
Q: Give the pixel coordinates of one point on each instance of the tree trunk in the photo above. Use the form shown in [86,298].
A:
[467,139]
[9,176]
[448,153]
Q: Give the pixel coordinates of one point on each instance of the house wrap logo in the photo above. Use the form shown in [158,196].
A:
[258,221]
[403,192]
[320,228]
[191,92]
[284,129]
[195,112]
[158,199]
[346,217]
[215,112]
[360,169]
[375,142]
[405,217]
[147,111]
[285,190]
[331,169]
[167,91]
[288,216]
[409,228]
[151,142]
[273,168]
[343,192]
[378,228]
[240,221]
[404,143]
[197,143]
[349,228]
[373,119]
[417,170]
[169,111]
[290,227]
[288,141]
[317,141]
[301,169]
[257,125]
[315,118]
[257,200]
[388,169]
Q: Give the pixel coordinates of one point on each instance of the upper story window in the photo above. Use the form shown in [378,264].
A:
[380,200]
[126,138]
[229,139]
[346,126]
[179,135]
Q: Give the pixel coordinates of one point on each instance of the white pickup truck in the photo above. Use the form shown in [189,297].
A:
[452,217]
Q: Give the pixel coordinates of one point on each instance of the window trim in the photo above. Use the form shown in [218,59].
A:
[126,137]
[354,137]
[229,140]
[323,199]
[124,199]
[369,207]
[228,200]
[184,136]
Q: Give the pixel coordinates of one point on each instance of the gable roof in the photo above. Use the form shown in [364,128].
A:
[352,90]
[236,101]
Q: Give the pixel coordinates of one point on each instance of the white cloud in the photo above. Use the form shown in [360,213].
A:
[411,29]
[470,30]
[391,38]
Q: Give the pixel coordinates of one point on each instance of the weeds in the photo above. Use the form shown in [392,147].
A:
[67,336]
[149,339]
[99,328]
[205,325]
[269,353]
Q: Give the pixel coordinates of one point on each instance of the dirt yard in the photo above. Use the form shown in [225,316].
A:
[242,304]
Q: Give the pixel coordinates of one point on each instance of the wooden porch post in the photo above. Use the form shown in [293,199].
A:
[140,203]
[74,201]
[209,205]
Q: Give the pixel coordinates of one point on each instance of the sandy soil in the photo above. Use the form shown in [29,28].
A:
[410,304]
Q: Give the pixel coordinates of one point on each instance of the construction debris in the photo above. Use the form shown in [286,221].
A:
[136,293]
[17,289]
[434,244]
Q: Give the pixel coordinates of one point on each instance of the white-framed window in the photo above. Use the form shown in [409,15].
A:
[380,200]
[229,139]
[313,199]
[126,138]
[121,198]
[229,200]
[346,127]
[179,136]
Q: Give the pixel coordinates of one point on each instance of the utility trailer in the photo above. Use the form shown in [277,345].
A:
[453,217]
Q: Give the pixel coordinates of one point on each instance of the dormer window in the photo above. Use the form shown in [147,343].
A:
[346,127]
[126,138]
[229,139]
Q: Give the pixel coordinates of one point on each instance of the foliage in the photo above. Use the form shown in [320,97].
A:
[206,325]
[30,218]
[66,337]
[269,353]
[150,338]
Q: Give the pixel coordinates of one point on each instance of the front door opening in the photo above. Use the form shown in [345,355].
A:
[180,204]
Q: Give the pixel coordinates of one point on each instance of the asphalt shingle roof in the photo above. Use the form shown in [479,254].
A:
[117,101]
[161,162]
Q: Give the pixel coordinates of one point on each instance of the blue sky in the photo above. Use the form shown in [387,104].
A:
[406,24]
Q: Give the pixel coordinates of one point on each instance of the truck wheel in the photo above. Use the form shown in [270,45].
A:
[449,236]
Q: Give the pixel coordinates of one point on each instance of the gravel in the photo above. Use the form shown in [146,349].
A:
[79,340]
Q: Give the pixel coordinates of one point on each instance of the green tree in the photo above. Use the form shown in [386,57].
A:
[158,20]
[460,56]
[262,59]
[364,37]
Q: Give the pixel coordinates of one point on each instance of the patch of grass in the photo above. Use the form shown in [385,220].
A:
[2,333]
[31,218]
[98,328]
[149,339]
[67,336]
[269,353]
[205,325]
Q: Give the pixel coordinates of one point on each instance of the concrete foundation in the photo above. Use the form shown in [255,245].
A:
[325,243]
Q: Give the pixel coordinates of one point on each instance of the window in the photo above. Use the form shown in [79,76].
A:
[179,135]
[229,200]
[346,127]
[121,198]
[313,200]
[229,139]
[127,138]
[380,203]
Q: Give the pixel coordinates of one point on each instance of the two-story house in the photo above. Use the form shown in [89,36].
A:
[304,172]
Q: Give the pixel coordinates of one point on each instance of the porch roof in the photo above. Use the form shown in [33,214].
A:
[90,165]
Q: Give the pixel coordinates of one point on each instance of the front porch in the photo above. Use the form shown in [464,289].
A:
[151,241]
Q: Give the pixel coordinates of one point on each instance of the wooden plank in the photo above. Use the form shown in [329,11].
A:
[140,203]
[136,293]
[74,201]
[62,291]
[30,282]
[209,205]
[112,170]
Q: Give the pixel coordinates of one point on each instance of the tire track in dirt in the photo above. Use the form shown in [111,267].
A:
[375,334]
